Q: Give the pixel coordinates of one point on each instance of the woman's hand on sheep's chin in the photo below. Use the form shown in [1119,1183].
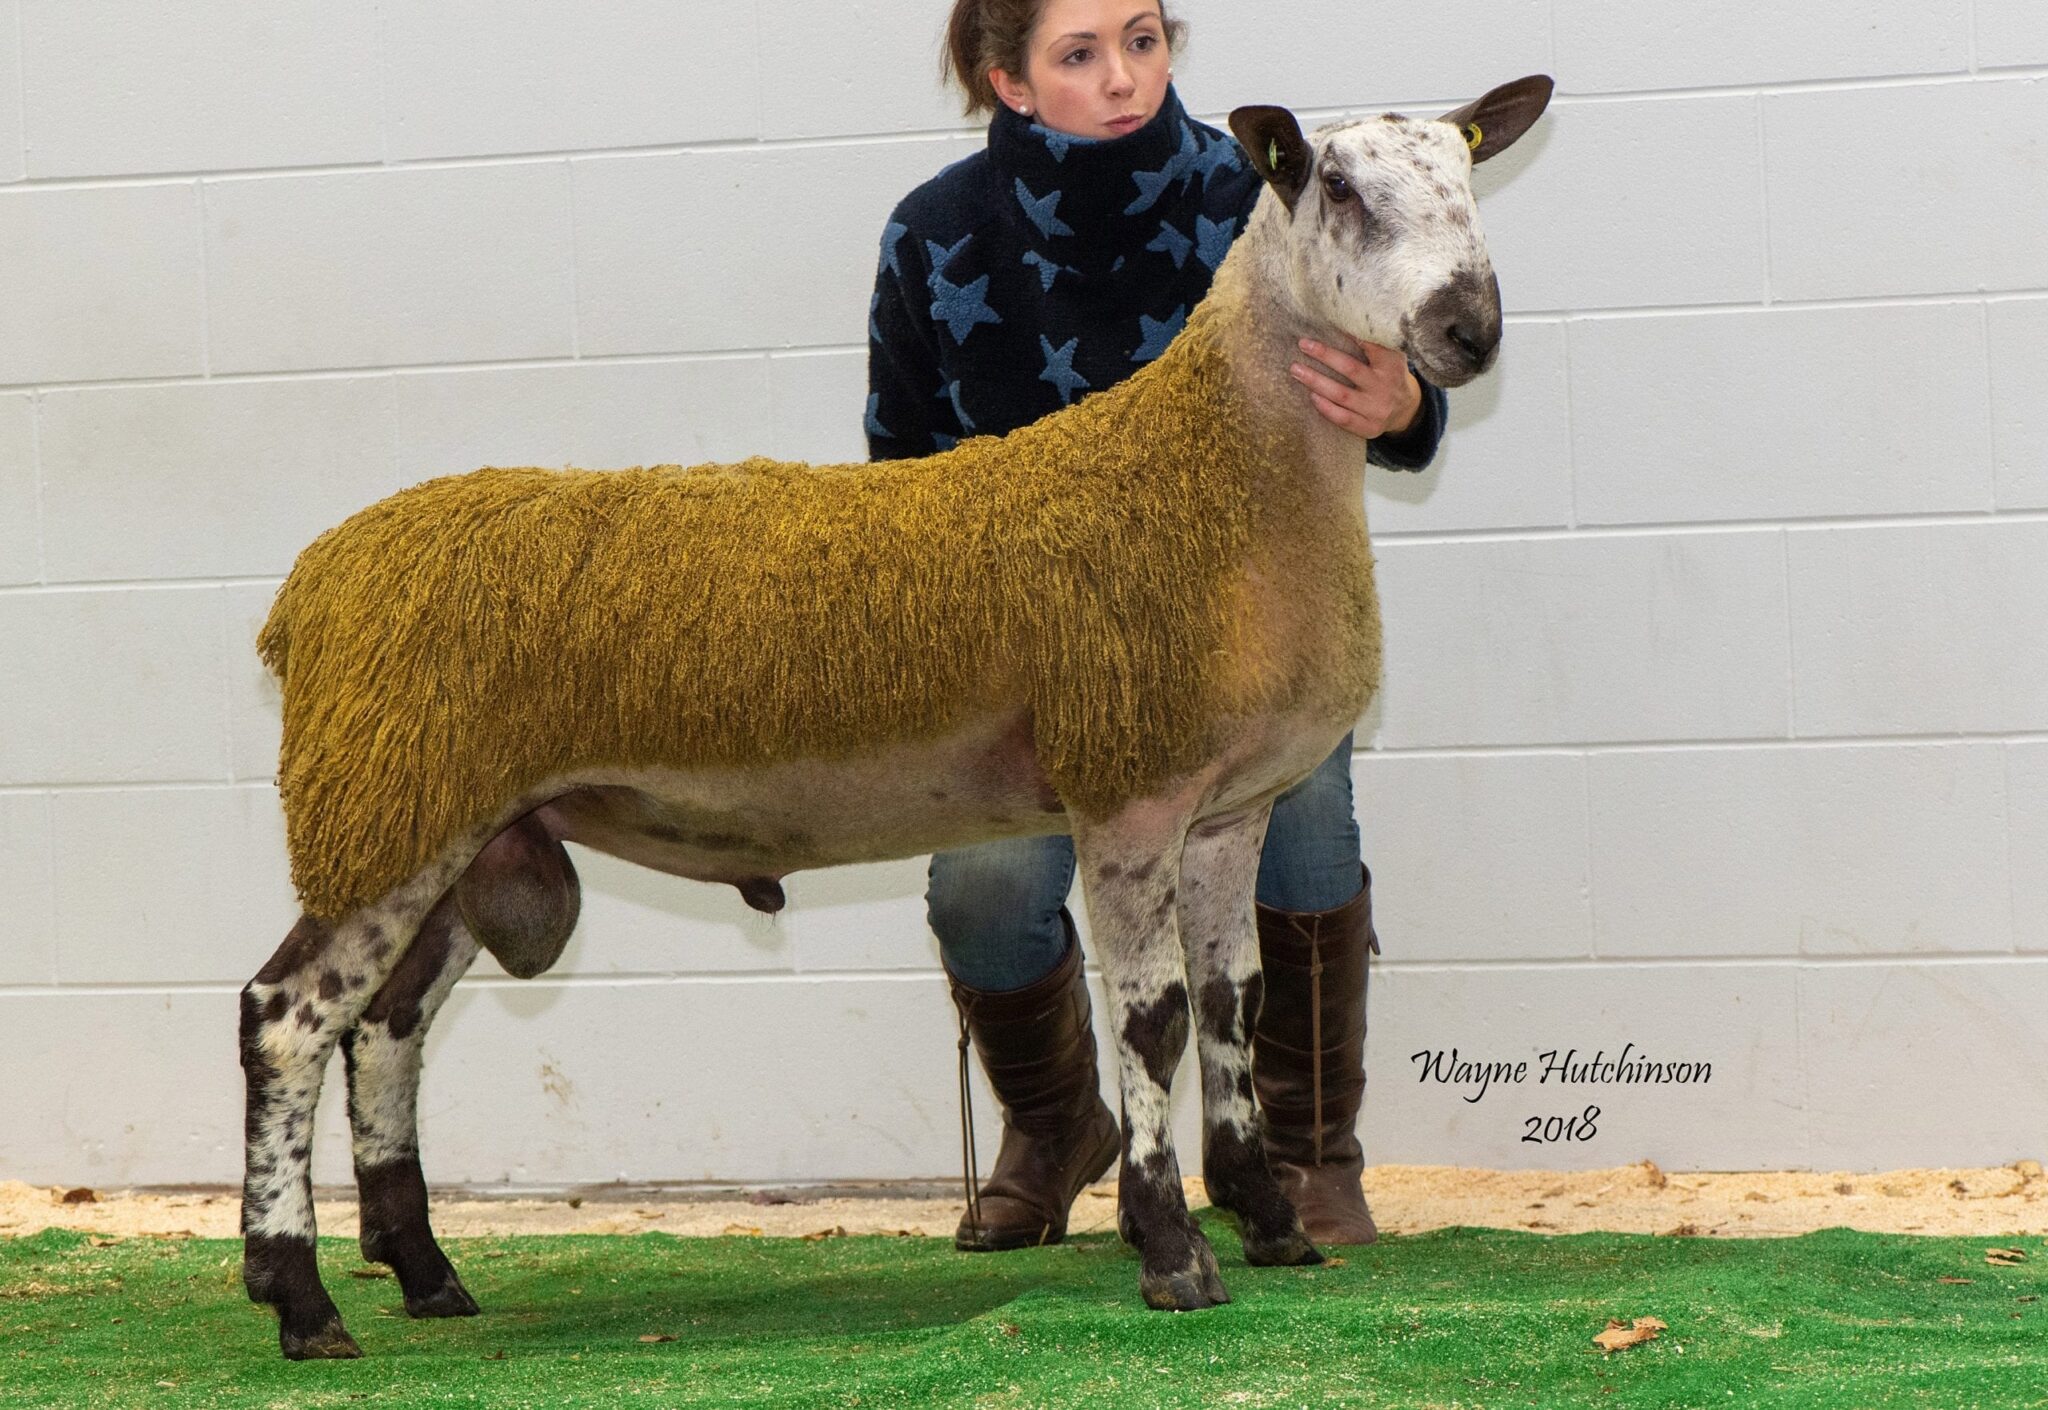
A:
[1375,397]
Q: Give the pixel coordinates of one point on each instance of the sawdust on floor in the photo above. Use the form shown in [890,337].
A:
[1405,1199]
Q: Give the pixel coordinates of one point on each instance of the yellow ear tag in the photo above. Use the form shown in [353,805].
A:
[1273,153]
[1473,136]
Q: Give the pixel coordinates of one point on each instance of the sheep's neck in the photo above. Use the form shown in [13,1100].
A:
[1307,611]
[1260,326]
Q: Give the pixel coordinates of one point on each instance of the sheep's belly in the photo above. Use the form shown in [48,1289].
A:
[729,825]
[984,782]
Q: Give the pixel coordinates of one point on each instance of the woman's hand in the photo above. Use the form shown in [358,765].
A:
[1376,397]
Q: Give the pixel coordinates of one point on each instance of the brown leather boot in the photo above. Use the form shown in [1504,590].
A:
[1308,1061]
[1058,1135]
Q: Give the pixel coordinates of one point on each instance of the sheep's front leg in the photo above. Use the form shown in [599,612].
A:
[308,994]
[1219,931]
[382,1053]
[1130,869]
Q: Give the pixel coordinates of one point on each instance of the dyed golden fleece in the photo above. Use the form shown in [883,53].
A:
[463,642]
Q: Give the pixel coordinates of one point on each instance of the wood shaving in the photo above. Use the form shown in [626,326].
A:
[1621,1335]
[1406,1199]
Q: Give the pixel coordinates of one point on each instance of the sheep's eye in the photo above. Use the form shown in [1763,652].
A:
[1338,187]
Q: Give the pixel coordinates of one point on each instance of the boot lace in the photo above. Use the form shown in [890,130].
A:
[970,1166]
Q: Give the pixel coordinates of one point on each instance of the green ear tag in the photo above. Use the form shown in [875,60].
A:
[1273,153]
[1473,136]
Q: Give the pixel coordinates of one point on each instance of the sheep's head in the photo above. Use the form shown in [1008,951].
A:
[1383,238]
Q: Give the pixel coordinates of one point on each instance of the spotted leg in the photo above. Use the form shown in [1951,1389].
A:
[382,1054]
[293,1012]
[1218,930]
[1130,869]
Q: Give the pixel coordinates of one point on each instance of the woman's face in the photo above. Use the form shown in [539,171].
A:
[1095,68]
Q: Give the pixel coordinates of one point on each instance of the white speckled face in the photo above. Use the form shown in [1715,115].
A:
[1387,243]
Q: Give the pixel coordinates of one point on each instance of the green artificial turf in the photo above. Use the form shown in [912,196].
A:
[1456,1318]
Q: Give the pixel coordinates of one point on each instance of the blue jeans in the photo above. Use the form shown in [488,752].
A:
[996,907]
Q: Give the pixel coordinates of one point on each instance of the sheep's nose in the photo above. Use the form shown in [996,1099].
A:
[1472,341]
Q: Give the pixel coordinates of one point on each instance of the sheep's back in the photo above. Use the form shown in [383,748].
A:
[454,646]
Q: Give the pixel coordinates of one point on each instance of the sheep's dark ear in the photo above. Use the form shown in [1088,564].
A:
[1491,124]
[1279,153]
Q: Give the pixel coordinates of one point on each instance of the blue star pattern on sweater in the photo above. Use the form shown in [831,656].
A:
[961,306]
[1212,241]
[874,328]
[1048,270]
[874,421]
[1041,208]
[951,391]
[1152,184]
[941,256]
[1219,155]
[1171,242]
[892,236]
[1157,333]
[1059,367]
[1073,300]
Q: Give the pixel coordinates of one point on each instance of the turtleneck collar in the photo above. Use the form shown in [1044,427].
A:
[1112,192]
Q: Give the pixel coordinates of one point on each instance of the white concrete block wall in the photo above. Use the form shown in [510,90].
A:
[1616,46]
[616,75]
[105,283]
[1842,164]
[1716,718]
[1614,221]
[115,88]
[2027,806]
[12,164]
[20,523]
[390,268]
[1919,629]
[2011,32]
[1557,639]
[656,236]
[2019,402]
[1851,434]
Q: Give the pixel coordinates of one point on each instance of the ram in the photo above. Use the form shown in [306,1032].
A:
[1138,620]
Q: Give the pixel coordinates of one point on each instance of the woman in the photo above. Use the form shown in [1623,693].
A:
[1054,263]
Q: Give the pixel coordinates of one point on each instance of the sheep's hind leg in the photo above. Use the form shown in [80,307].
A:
[382,1054]
[1219,872]
[1130,867]
[295,1009]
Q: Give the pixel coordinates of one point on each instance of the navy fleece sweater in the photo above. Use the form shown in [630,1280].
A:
[1045,267]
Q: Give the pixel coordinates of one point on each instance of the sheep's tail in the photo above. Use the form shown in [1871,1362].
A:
[298,599]
[273,643]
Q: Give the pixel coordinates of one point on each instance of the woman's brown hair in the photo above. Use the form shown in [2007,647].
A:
[996,34]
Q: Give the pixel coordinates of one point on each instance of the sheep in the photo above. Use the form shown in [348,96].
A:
[1138,620]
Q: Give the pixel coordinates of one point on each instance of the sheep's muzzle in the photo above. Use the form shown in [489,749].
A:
[1455,335]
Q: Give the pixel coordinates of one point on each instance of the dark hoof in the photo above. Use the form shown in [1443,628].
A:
[330,1343]
[1212,1276]
[1290,1250]
[451,1299]
[1185,1290]
[1196,1283]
